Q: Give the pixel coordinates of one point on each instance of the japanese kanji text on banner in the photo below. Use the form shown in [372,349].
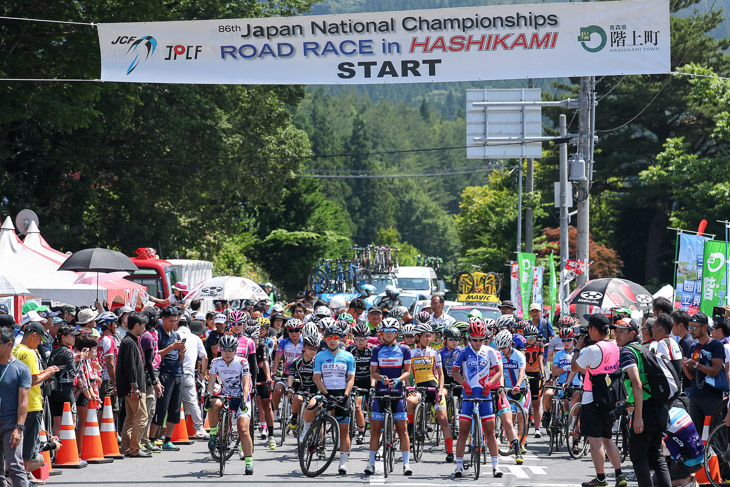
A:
[416,46]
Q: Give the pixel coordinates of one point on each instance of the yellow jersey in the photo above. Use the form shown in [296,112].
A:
[424,362]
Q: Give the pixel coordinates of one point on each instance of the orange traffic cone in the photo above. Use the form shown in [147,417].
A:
[91,451]
[108,433]
[180,434]
[712,463]
[44,472]
[189,425]
[68,455]
[206,426]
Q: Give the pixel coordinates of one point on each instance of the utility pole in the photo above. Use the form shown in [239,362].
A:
[585,145]
[519,206]
[529,188]
[564,188]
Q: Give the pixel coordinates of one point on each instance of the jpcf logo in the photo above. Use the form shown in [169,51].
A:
[586,34]
[149,43]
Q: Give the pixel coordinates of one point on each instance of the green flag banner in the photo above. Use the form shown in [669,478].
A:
[526,263]
[553,287]
[714,284]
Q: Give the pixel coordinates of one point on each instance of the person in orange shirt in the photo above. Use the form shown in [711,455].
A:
[535,371]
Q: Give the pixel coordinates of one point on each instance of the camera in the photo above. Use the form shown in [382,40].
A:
[583,332]
[621,409]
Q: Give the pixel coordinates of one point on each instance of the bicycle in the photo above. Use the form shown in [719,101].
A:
[389,438]
[503,444]
[354,393]
[419,422]
[284,415]
[621,427]
[323,433]
[228,441]
[477,444]
[452,406]
[577,442]
[558,419]
[718,446]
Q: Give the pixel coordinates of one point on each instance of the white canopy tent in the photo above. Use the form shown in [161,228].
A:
[38,273]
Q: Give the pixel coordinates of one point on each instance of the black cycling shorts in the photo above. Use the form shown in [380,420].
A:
[535,379]
[263,391]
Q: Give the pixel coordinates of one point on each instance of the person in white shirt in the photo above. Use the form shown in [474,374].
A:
[438,315]
[194,350]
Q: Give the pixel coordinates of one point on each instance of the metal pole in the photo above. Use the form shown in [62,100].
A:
[583,217]
[519,207]
[528,210]
[563,210]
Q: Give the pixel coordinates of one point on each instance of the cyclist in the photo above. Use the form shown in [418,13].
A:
[556,343]
[513,365]
[290,349]
[233,374]
[254,331]
[390,300]
[246,346]
[463,328]
[346,321]
[561,374]
[409,335]
[535,370]
[426,367]
[370,294]
[472,370]
[334,374]
[362,353]
[390,365]
[301,376]
[438,336]
[450,353]
[518,337]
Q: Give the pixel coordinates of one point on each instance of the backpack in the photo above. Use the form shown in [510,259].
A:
[662,380]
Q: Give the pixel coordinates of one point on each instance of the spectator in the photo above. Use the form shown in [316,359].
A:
[661,305]
[544,327]
[64,358]
[647,331]
[297,311]
[194,351]
[123,315]
[27,353]
[107,351]
[375,317]
[7,321]
[15,385]
[179,291]
[680,328]
[172,351]
[649,417]
[87,321]
[438,315]
[69,314]
[356,308]
[664,343]
[151,359]
[87,385]
[507,307]
[211,343]
[705,359]
[132,384]
[599,359]
[721,332]
[210,322]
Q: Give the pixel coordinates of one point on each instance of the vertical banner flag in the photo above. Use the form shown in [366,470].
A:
[537,283]
[714,269]
[688,293]
[553,287]
[544,40]
[526,263]
[514,281]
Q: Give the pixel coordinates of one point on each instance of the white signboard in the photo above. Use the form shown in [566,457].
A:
[416,46]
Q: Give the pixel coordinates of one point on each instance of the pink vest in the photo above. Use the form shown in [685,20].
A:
[609,363]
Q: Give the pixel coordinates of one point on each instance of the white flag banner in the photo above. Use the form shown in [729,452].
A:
[548,40]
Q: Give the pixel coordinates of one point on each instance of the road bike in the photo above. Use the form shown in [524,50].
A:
[621,431]
[338,276]
[420,419]
[477,444]
[389,436]
[519,416]
[354,394]
[284,416]
[227,441]
[322,441]
[556,427]
[577,442]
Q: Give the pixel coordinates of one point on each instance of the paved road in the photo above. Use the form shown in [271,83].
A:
[193,465]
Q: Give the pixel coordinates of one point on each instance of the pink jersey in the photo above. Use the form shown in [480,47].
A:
[246,347]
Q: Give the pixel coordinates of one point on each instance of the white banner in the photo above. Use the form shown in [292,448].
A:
[416,46]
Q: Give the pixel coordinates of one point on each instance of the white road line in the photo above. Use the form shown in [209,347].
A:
[537,470]
[516,471]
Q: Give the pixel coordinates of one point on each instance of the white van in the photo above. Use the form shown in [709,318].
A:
[418,279]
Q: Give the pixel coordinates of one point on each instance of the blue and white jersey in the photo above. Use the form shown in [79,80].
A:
[511,368]
[334,369]
[230,375]
[448,358]
[474,366]
[291,352]
[390,361]
[563,360]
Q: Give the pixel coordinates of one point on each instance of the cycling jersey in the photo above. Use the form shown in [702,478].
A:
[304,371]
[290,351]
[230,375]
[682,440]
[334,368]
[563,360]
[533,357]
[447,361]
[475,366]
[438,346]
[511,368]
[424,362]
[246,346]
[390,361]
[362,365]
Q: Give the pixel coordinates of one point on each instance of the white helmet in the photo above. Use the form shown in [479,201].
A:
[503,339]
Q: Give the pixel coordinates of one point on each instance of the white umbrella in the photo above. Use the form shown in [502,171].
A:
[228,288]
[9,286]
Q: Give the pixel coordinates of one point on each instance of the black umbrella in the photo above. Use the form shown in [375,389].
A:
[612,293]
[98,260]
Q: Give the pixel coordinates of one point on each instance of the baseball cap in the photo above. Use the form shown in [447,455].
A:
[535,306]
[375,309]
[124,309]
[7,321]
[700,318]
[268,284]
[4,309]
[33,306]
[32,317]
[35,327]
[277,308]
[69,309]
[199,316]
[599,321]
[59,321]
[507,304]
[627,324]
[337,302]
[220,318]
[323,311]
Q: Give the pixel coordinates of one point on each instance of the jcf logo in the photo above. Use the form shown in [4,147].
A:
[189,52]
[586,33]
[149,43]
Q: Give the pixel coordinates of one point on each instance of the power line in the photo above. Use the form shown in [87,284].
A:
[46,20]
[384,176]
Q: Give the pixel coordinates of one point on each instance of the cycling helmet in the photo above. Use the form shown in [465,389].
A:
[462,326]
[330,327]
[369,288]
[398,312]
[452,333]
[344,327]
[388,323]
[423,328]
[506,321]
[347,317]
[294,324]
[477,328]
[310,329]
[567,333]
[409,329]
[238,318]
[252,329]
[489,323]
[391,289]
[263,322]
[566,321]
[522,324]
[472,319]
[423,317]
[438,327]
[503,339]
[106,318]
[312,340]
[361,329]
[228,343]
[475,313]
[531,330]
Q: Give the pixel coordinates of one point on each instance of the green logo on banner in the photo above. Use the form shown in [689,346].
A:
[714,269]
[586,34]
[526,263]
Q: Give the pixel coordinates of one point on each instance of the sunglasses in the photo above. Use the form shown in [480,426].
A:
[390,330]
[332,337]
[476,340]
[567,339]
[361,339]
[292,330]
[409,336]
[530,336]
[228,349]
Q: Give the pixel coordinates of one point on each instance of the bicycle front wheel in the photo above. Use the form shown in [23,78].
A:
[284,418]
[387,443]
[318,281]
[223,432]
[464,282]
[319,447]
[577,442]
[419,435]
[477,444]
[718,446]
[622,437]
